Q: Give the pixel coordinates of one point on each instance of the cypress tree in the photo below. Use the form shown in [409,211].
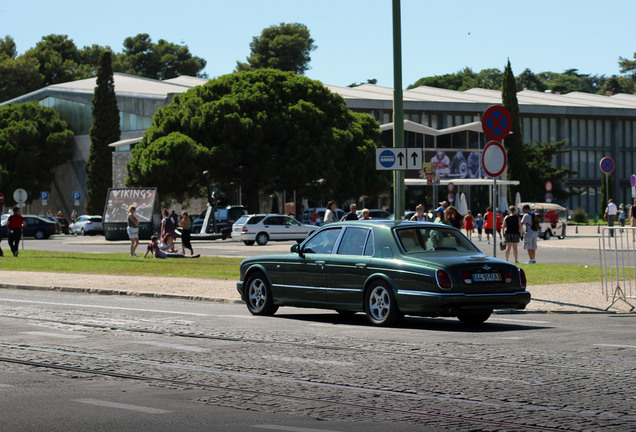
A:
[104,130]
[513,143]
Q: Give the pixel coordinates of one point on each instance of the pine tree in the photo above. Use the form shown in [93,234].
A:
[517,164]
[104,130]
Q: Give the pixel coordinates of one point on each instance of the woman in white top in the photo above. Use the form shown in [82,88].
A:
[330,214]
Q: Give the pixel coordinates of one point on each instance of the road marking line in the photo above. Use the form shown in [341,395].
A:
[616,345]
[305,360]
[102,307]
[519,320]
[6,386]
[107,404]
[58,335]
[176,346]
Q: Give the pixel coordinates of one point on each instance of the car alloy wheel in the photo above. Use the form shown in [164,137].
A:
[380,305]
[39,235]
[259,296]
[262,239]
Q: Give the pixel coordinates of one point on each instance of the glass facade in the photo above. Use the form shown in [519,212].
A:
[79,116]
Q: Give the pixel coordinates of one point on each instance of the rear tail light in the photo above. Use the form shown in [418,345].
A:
[468,278]
[522,278]
[244,229]
[443,280]
[507,276]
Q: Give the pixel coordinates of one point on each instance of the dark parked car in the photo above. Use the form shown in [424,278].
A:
[225,218]
[386,271]
[37,227]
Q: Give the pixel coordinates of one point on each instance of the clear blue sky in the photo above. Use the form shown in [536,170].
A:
[354,37]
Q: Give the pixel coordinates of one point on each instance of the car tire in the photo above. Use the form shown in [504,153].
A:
[83,232]
[39,234]
[380,304]
[258,296]
[248,242]
[262,239]
[547,235]
[474,317]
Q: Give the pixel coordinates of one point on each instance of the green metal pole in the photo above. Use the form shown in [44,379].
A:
[398,110]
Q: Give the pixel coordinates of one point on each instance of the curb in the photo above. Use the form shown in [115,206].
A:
[234,301]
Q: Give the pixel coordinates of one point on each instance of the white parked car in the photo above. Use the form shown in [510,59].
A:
[262,228]
[87,224]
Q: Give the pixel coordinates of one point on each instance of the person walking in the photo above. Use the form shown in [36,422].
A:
[530,233]
[15,223]
[453,217]
[133,230]
[469,224]
[186,230]
[610,215]
[489,225]
[632,216]
[512,233]
[479,223]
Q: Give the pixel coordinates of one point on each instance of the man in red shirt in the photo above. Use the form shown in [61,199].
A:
[489,225]
[15,223]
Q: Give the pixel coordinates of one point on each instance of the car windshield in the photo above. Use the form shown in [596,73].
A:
[416,239]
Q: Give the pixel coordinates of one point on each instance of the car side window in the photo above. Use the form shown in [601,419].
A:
[323,242]
[353,241]
[369,249]
[291,221]
[273,220]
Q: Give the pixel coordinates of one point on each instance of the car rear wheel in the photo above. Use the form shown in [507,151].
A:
[380,305]
[39,234]
[259,296]
[474,317]
[83,232]
[262,239]
[248,242]
[547,235]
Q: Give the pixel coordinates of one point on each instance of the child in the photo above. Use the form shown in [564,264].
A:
[479,223]
[154,249]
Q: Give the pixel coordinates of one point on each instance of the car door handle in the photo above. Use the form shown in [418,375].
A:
[320,263]
[361,265]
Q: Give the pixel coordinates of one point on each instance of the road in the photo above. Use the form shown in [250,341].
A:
[550,251]
[104,363]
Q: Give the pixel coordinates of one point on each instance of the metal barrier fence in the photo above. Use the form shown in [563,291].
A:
[617,250]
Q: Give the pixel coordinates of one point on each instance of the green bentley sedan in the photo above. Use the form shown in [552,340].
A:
[386,270]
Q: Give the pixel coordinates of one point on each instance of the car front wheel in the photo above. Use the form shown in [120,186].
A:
[474,317]
[262,239]
[380,305]
[259,296]
[39,235]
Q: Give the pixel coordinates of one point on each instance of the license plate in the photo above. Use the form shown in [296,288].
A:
[487,277]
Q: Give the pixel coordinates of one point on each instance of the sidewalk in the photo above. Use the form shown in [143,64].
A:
[570,298]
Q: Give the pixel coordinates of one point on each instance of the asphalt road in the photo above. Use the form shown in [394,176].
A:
[103,363]
[548,252]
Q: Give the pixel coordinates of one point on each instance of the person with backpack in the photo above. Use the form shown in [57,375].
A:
[530,233]
[167,225]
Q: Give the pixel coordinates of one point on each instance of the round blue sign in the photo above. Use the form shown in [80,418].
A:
[387,159]
[607,165]
[632,180]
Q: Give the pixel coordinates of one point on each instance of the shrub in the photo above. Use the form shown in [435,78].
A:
[579,215]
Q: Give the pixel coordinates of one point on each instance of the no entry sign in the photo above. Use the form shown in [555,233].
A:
[607,165]
[496,122]
[494,159]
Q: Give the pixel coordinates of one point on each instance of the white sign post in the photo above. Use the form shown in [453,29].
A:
[20,196]
[494,160]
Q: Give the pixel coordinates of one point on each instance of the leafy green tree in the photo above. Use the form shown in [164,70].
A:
[7,47]
[266,129]
[541,168]
[628,66]
[616,84]
[285,47]
[58,58]
[529,81]
[163,60]
[34,140]
[369,81]
[454,81]
[19,76]
[104,130]
[517,161]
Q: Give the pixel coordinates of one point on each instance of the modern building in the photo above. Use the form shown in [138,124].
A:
[444,123]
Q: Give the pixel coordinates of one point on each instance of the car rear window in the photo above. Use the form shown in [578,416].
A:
[255,219]
[95,219]
[241,220]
